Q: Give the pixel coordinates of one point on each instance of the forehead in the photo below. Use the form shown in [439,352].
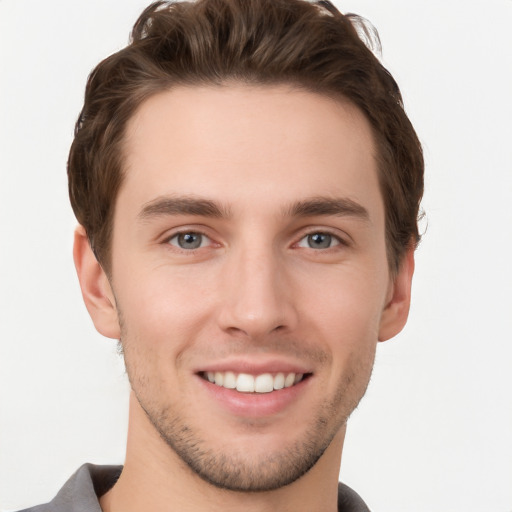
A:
[238,144]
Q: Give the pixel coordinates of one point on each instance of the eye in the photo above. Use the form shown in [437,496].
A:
[319,240]
[189,240]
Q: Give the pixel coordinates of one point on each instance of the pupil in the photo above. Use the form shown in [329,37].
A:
[319,241]
[189,240]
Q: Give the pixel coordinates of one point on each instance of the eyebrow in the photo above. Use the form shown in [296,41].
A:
[163,206]
[201,207]
[319,206]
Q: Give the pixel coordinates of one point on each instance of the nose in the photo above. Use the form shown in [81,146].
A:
[257,296]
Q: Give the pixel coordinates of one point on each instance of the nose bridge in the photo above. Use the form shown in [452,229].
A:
[255,299]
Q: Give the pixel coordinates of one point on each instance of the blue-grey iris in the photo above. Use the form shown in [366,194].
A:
[319,241]
[190,240]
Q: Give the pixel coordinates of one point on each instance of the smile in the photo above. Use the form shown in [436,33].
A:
[247,383]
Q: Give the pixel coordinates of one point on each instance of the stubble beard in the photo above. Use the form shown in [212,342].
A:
[232,470]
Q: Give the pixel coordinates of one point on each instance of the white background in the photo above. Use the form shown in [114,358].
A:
[434,432]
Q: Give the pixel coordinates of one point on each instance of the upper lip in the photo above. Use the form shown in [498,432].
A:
[254,366]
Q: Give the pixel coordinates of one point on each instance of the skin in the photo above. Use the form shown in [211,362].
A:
[276,165]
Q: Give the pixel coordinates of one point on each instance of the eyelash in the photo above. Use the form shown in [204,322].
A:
[188,232]
[333,237]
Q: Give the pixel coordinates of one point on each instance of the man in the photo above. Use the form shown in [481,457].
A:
[247,186]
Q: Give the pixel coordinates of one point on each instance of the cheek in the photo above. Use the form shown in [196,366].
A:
[350,333]
[346,302]
[164,306]
[343,313]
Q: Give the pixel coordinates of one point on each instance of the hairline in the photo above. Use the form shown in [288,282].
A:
[155,87]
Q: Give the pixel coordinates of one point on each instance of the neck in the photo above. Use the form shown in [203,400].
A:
[154,478]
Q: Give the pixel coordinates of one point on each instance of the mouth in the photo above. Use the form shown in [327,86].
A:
[248,383]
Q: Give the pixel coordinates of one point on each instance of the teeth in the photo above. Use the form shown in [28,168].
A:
[279,381]
[288,381]
[264,383]
[246,383]
[229,380]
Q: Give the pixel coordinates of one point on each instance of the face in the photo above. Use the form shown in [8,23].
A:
[249,276]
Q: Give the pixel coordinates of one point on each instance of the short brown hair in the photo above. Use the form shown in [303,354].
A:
[210,42]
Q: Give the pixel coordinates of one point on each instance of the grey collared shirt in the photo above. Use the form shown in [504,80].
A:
[80,493]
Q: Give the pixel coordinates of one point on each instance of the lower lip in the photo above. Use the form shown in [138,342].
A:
[254,405]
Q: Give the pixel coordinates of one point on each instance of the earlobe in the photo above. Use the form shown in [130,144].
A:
[396,311]
[96,290]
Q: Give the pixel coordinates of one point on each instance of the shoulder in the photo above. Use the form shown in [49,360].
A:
[349,500]
[80,493]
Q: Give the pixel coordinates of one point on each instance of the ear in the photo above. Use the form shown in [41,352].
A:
[96,290]
[398,301]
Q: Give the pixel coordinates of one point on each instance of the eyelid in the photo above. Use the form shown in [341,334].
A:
[343,239]
[199,230]
[204,240]
[304,241]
